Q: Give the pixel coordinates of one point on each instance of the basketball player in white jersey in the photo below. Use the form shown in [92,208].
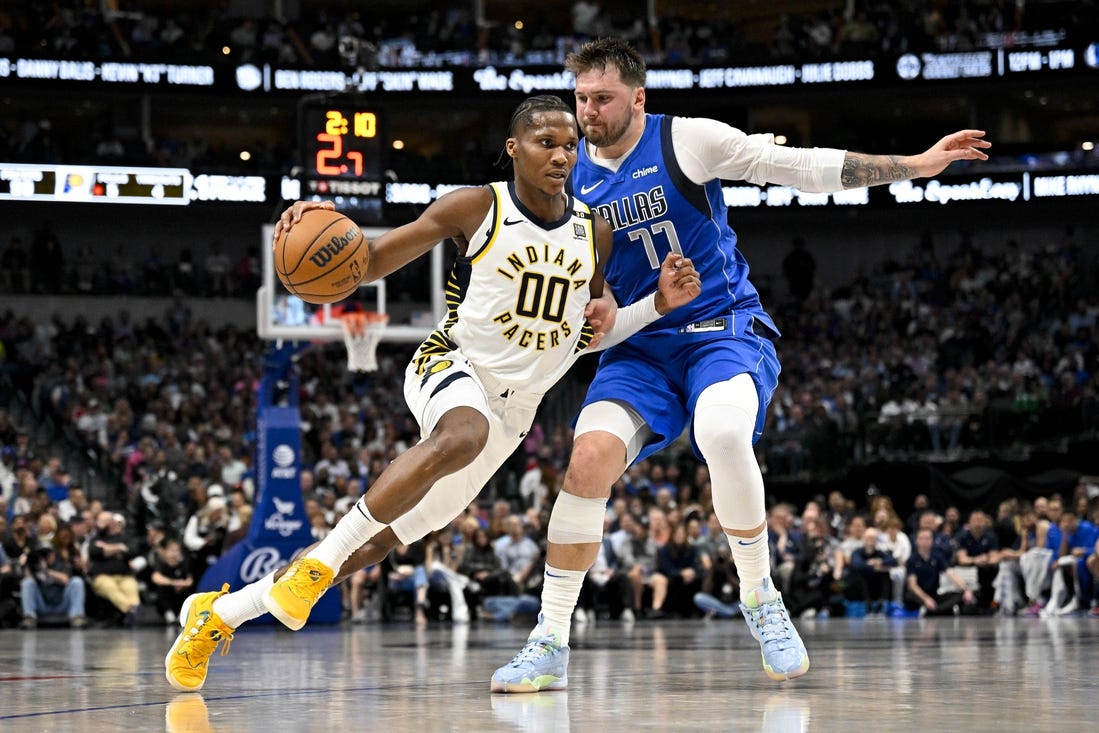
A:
[520,312]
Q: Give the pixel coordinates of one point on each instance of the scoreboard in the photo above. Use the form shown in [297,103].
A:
[95,184]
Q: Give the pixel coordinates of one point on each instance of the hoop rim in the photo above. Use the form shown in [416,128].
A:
[356,323]
[363,317]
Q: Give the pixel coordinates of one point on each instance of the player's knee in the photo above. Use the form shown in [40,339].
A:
[725,417]
[458,441]
[723,431]
[594,465]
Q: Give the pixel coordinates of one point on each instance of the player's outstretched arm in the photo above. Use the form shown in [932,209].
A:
[453,216]
[860,170]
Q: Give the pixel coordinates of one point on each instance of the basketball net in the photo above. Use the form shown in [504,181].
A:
[362,331]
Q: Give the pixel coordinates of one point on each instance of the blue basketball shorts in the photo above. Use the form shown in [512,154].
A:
[661,374]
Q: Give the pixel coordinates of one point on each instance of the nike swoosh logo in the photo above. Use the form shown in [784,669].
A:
[749,544]
[555,576]
[584,190]
[509,222]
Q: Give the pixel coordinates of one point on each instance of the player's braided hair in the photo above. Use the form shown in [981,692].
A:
[524,116]
[604,52]
[529,107]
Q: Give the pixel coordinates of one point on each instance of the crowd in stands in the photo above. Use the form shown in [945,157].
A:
[392,36]
[188,493]
[422,36]
[947,351]
[944,354]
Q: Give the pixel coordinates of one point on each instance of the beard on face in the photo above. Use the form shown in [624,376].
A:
[610,133]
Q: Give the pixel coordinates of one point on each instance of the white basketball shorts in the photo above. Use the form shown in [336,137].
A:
[447,382]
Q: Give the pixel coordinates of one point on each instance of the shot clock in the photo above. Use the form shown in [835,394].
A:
[340,139]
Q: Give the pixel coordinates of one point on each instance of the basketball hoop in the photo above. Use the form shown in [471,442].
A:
[362,331]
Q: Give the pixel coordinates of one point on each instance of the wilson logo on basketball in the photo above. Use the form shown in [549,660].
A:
[333,247]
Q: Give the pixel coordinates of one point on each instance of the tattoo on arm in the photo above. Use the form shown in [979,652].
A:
[861,170]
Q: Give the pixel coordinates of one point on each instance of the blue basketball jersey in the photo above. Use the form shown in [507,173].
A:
[654,208]
[663,369]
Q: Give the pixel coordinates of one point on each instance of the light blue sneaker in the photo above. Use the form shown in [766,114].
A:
[783,652]
[543,664]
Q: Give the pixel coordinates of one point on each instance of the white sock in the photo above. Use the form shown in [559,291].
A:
[560,591]
[354,530]
[752,556]
[245,604]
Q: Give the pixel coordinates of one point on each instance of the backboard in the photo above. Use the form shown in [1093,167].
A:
[281,316]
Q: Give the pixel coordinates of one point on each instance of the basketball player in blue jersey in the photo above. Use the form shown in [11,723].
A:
[520,312]
[711,365]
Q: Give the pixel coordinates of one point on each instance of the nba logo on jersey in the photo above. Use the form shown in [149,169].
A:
[578,231]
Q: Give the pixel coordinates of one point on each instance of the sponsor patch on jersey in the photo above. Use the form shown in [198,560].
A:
[713,324]
[578,231]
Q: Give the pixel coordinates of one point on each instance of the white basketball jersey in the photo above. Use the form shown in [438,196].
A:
[516,300]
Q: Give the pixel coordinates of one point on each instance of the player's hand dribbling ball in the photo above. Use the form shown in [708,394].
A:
[322,258]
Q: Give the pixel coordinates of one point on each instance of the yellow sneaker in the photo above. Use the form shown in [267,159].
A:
[293,596]
[187,660]
[187,714]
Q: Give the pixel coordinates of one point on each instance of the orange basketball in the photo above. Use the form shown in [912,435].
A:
[322,258]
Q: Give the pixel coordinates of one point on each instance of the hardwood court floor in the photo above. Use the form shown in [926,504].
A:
[873,674]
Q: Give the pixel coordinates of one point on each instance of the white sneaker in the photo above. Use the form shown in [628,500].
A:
[580,616]
[627,616]
[1071,607]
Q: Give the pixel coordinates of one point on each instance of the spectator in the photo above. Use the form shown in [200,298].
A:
[819,567]
[205,534]
[72,505]
[785,543]
[636,553]
[605,581]
[18,543]
[366,592]
[109,555]
[482,566]
[171,579]
[405,573]
[518,554]
[920,504]
[896,543]
[852,537]
[1078,538]
[872,565]
[922,581]
[678,561]
[50,587]
[979,548]
[1009,581]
